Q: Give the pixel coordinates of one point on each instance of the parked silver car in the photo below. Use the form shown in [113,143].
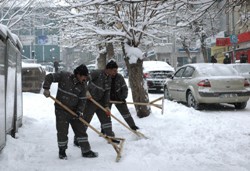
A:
[243,69]
[91,67]
[206,83]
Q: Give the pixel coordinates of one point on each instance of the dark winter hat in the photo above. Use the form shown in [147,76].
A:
[111,64]
[81,70]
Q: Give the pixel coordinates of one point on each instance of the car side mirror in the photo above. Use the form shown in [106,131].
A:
[171,76]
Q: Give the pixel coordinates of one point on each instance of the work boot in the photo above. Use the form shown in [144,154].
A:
[134,127]
[90,154]
[76,142]
[102,131]
[62,154]
[115,141]
[111,135]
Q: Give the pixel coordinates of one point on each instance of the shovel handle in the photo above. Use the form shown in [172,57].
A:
[135,132]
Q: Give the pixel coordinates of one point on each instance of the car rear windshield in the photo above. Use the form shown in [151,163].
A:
[243,68]
[219,70]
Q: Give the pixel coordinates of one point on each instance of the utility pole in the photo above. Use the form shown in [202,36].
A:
[234,42]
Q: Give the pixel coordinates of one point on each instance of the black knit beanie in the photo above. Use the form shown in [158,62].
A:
[111,64]
[81,70]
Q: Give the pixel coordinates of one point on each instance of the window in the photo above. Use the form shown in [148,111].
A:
[188,72]
[179,72]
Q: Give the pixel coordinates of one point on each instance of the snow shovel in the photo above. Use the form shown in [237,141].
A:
[117,148]
[152,103]
[139,134]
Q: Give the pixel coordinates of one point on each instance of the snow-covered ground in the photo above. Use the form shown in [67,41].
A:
[182,139]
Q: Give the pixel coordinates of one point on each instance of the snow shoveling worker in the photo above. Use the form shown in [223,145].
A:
[99,89]
[119,92]
[72,93]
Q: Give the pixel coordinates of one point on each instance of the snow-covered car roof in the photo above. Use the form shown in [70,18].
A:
[213,69]
[30,65]
[242,68]
[91,66]
[156,66]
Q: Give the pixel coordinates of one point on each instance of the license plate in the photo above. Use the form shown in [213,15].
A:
[228,95]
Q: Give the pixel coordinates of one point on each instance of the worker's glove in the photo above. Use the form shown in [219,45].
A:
[108,112]
[88,95]
[46,92]
[79,114]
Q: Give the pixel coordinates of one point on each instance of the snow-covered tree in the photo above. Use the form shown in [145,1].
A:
[13,11]
[129,25]
[195,21]
[125,24]
[200,20]
[133,24]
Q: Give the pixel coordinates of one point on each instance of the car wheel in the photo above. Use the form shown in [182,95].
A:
[191,102]
[240,105]
[166,93]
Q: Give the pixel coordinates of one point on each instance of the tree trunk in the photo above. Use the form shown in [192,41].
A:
[139,93]
[103,57]
[101,60]
[186,48]
[110,50]
[204,50]
[204,53]
[188,54]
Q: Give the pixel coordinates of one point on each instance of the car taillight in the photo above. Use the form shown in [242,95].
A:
[146,75]
[246,83]
[204,83]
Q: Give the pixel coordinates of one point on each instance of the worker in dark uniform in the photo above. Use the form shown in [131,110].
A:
[119,92]
[72,93]
[99,90]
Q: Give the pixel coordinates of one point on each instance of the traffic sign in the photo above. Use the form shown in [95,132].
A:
[233,38]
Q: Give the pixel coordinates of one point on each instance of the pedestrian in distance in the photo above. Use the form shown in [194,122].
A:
[243,58]
[227,60]
[213,59]
[99,89]
[119,92]
[56,66]
[72,93]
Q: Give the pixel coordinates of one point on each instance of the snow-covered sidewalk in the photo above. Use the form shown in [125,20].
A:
[182,139]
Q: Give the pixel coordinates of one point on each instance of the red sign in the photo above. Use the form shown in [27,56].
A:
[225,41]
[244,37]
